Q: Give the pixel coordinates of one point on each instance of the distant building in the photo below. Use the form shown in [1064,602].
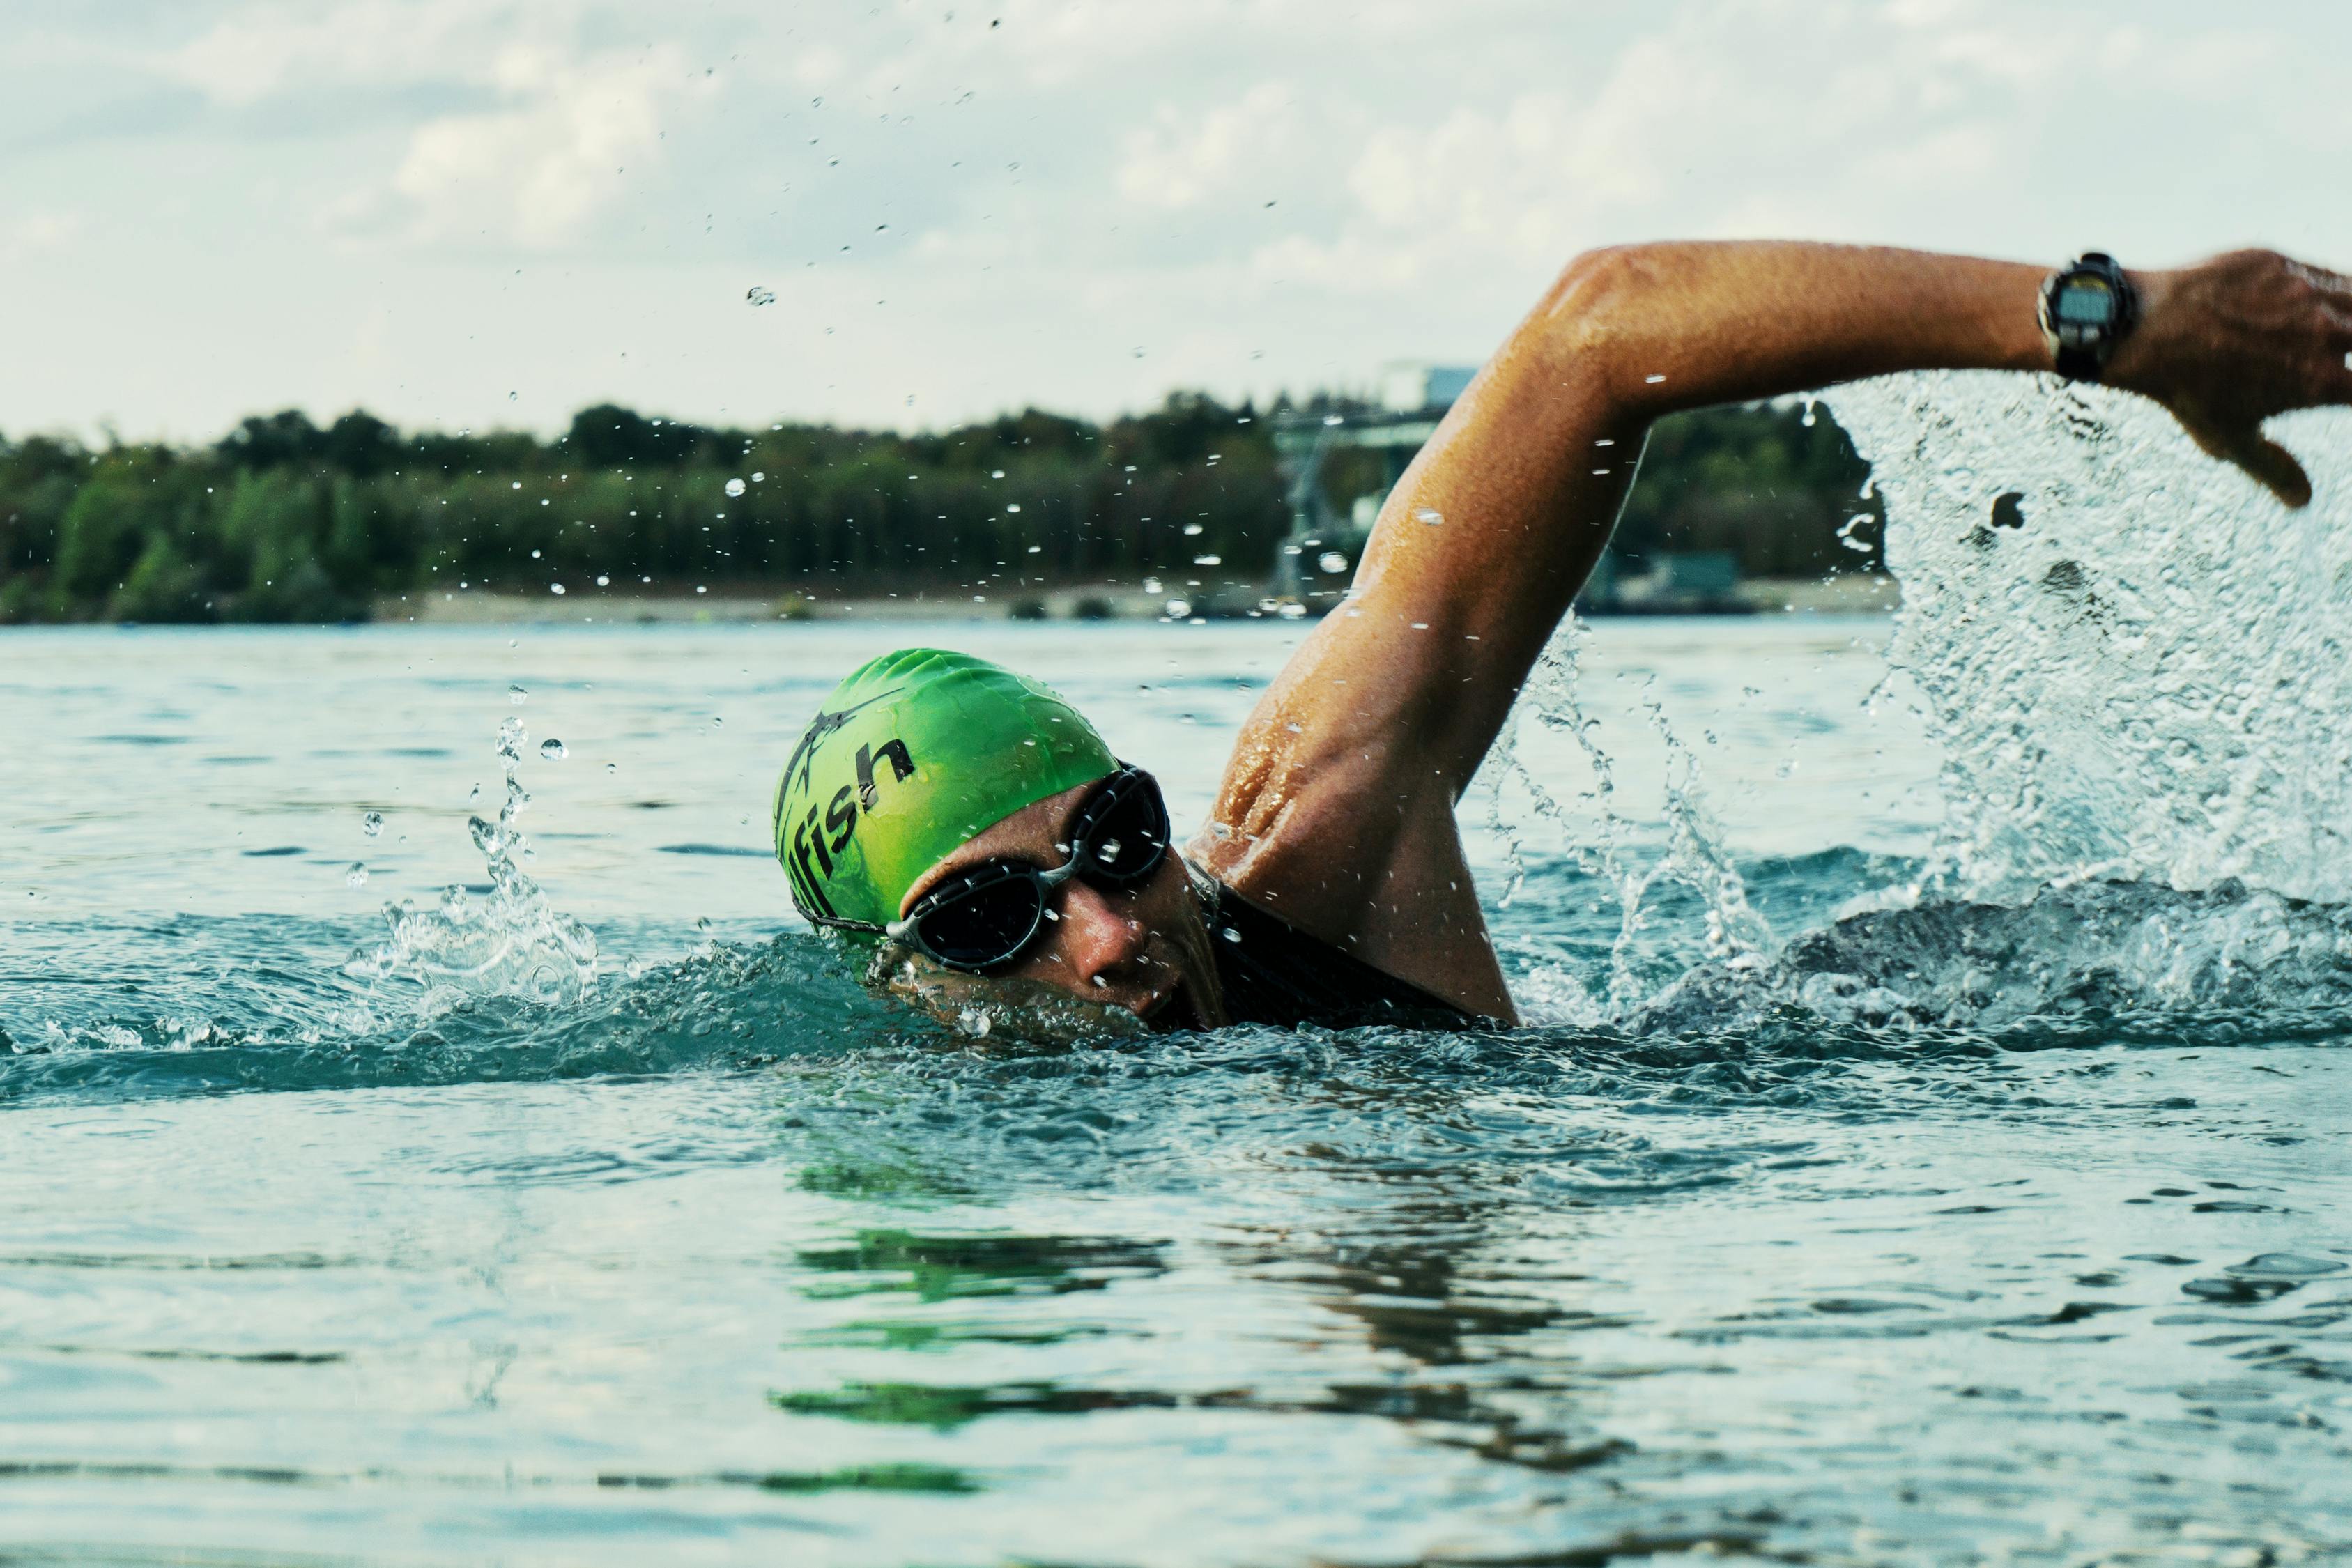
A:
[1409,386]
[1316,560]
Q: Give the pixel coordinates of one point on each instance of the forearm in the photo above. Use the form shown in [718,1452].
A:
[1488,537]
[1655,329]
[1530,467]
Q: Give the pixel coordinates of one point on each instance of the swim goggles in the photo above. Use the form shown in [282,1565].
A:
[985,916]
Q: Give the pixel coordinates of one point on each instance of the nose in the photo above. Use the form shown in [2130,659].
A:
[1100,935]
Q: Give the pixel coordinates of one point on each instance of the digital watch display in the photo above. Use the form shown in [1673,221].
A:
[2088,306]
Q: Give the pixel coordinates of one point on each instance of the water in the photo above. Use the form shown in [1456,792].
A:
[1863,1189]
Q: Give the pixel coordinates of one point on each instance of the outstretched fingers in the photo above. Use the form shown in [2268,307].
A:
[2272,466]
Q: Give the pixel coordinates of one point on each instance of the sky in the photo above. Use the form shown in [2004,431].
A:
[480,213]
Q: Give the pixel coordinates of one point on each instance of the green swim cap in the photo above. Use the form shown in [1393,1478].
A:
[913,754]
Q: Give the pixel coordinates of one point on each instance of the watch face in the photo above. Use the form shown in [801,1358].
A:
[2085,302]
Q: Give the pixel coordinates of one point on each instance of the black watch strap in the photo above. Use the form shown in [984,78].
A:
[2079,363]
[2087,307]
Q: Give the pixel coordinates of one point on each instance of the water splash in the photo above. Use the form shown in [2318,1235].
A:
[2132,660]
[2220,964]
[1595,841]
[2132,663]
[514,944]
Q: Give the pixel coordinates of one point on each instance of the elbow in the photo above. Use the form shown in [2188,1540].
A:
[1589,326]
[1591,314]
[1591,294]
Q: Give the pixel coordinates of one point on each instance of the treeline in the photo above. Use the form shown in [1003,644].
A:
[285,521]
[1778,484]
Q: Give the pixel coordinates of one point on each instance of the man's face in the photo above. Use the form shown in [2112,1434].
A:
[1144,950]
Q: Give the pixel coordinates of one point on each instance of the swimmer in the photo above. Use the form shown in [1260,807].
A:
[978,826]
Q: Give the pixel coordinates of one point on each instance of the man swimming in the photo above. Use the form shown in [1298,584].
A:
[978,824]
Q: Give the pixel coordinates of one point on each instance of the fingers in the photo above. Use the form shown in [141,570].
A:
[2272,466]
[2333,284]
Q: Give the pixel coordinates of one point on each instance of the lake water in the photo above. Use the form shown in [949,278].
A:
[1864,1187]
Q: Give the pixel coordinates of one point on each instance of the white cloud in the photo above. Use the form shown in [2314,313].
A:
[1037,199]
[44,231]
[537,169]
[1183,156]
[261,50]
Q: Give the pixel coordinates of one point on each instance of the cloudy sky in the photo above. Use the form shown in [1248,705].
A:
[480,212]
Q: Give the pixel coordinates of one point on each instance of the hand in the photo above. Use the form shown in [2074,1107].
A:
[2228,343]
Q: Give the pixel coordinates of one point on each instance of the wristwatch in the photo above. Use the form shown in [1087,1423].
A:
[2088,307]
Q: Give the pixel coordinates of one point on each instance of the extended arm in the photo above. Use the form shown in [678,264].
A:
[1337,806]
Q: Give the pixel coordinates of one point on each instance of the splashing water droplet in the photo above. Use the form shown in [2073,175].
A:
[514,396]
[372,824]
[1430,515]
[1230,934]
[555,588]
[553,750]
[1331,560]
[515,945]
[1178,608]
[357,876]
[734,487]
[518,696]
[759,296]
[717,723]
[1191,529]
[1208,561]
[602,580]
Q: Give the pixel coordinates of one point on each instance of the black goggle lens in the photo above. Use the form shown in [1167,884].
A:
[1122,832]
[986,920]
[986,916]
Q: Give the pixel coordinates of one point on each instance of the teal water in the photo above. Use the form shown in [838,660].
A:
[1859,1192]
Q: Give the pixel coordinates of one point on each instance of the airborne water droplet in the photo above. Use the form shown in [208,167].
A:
[759,296]
[518,696]
[734,487]
[553,750]
[1430,515]
[1331,560]
[357,876]
[372,824]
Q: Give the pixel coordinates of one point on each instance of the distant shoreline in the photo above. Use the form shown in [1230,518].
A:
[1846,594]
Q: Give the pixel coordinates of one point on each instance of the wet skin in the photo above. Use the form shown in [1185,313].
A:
[1144,950]
[1337,809]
